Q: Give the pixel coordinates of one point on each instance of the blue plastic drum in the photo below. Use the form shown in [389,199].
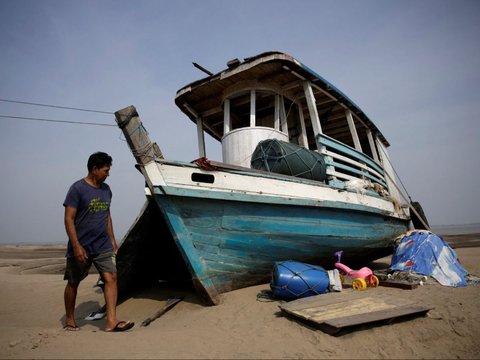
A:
[293,280]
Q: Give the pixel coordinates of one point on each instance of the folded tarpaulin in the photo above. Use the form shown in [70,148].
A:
[425,253]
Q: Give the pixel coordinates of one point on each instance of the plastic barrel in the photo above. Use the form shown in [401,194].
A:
[293,280]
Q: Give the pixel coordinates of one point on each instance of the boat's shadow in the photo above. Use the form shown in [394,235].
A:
[162,291]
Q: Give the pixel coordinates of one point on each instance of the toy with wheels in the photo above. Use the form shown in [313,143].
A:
[362,278]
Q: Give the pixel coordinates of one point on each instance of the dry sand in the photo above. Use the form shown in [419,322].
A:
[242,326]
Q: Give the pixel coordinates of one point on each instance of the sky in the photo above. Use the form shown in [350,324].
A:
[412,66]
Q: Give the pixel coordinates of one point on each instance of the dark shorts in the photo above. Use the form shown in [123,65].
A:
[76,272]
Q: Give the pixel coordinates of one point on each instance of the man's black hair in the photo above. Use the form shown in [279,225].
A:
[99,160]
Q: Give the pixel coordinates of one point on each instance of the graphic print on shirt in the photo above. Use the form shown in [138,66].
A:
[97,205]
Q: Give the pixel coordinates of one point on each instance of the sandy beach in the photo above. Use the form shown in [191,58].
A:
[242,326]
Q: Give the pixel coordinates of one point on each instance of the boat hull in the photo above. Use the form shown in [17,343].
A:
[233,244]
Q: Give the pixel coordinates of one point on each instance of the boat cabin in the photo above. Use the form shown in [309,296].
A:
[274,96]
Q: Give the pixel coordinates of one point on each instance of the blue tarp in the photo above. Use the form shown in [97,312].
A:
[425,253]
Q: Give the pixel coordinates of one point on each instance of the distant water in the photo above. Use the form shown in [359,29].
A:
[456,229]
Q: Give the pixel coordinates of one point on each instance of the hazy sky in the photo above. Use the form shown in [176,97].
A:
[412,66]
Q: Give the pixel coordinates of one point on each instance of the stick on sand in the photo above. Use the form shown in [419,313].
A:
[171,302]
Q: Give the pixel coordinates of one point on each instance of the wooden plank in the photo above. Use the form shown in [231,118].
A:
[353,162]
[338,146]
[377,315]
[358,172]
[335,311]
[398,284]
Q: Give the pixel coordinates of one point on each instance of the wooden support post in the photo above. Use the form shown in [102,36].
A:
[312,109]
[200,138]
[303,136]
[276,116]
[227,123]
[371,141]
[137,137]
[353,130]
[252,108]
[283,116]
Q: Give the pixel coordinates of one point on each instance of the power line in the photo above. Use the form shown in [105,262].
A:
[56,106]
[57,121]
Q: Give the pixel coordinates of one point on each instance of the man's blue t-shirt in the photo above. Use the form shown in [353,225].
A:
[93,205]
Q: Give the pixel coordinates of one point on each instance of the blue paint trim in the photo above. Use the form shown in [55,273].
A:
[337,90]
[263,199]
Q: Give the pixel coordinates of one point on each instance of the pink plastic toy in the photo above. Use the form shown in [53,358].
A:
[361,278]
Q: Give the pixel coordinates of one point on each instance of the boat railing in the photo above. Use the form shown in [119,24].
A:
[345,163]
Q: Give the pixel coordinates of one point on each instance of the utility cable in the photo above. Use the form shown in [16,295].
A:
[57,121]
[56,106]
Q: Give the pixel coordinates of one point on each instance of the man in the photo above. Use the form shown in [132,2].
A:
[91,240]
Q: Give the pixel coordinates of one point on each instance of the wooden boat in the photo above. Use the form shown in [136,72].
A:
[224,224]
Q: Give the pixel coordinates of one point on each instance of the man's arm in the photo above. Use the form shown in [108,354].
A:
[111,234]
[69,219]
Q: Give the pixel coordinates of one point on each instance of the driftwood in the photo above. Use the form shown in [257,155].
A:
[170,304]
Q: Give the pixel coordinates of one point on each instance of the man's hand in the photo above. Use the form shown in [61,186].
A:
[80,254]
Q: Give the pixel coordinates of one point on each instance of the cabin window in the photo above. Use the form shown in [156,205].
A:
[240,111]
[271,110]
[336,126]
[265,109]
[362,135]
[293,121]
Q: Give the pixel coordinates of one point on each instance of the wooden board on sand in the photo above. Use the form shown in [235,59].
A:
[334,311]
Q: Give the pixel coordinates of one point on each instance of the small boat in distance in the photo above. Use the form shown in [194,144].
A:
[304,173]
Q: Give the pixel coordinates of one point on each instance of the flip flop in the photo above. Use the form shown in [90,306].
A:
[96,315]
[71,328]
[128,325]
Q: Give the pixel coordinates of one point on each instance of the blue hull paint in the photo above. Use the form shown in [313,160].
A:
[233,244]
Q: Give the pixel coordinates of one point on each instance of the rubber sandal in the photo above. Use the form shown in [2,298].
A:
[128,325]
[96,315]
[71,328]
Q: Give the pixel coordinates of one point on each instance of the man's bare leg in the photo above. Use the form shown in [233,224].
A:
[111,294]
[70,297]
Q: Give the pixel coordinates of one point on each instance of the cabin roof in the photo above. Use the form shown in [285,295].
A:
[205,97]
